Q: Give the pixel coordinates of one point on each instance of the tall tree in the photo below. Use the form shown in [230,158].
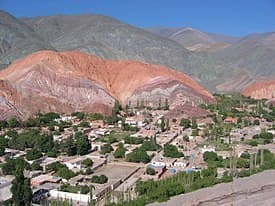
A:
[21,191]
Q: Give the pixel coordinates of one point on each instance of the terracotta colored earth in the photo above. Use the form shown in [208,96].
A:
[74,81]
[260,90]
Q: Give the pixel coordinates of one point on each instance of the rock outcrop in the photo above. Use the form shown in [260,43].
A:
[74,81]
[260,90]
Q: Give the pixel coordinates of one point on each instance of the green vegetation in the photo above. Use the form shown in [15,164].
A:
[138,155]
[83,189]
[172,151]
[106,148]
[60,170]
[87,162]
[150,171]
[33,154]
[65,173]
[3,145]
[150,145]
[21,189]
[79,115]
[185,123]
[83,145]
[120,151]
[133,140]
[265,136]
[10,166]
[99,179]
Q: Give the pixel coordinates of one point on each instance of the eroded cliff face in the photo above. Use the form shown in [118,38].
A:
[260,90]
[73,81]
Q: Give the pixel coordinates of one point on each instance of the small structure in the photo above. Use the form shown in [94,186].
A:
[207,149]
[231,120]
[41,179]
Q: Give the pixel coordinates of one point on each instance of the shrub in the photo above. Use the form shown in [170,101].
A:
[99,179]
[150,171]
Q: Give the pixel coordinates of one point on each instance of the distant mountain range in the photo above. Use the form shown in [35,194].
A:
[218,62]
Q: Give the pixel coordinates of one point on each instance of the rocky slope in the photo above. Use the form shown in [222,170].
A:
[260,90]
[214,59]
[195,40]
[17,39]
[70,81]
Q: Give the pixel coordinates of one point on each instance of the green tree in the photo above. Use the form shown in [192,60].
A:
[106,148]
[3,145]
[172,151]
[210,156]
[21,191]
[150,171]
[166,105]
[87,162]
[33,154]
[83,145]
[138,155]
[99,179]
[65,173]
[120,151]
[162,124]
[194,123]
[185,123]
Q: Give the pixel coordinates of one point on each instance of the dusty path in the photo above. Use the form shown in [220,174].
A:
[256,190]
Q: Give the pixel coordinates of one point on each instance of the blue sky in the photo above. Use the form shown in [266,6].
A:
[231,17]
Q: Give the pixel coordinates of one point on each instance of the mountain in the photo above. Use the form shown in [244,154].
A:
[108,38]
[217,62]
[193,39]
[260,90]
[74,81]
[17,39]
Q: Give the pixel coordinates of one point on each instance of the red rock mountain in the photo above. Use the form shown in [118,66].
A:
[69,81]
[260,90]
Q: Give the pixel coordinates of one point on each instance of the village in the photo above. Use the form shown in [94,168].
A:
[105,159]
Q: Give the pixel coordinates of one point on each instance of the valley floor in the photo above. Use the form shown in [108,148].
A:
[258,189]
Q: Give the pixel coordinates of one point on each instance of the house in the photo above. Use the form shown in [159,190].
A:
[75,163]
[231,120]
[13,153]
[97,124]
[207,149]
[41,179]
[131,121]
[157,162]
[180,163]
[102,132]
[96,146]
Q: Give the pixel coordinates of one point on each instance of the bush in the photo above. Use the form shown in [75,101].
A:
[106,148]
[87,162]
[185,123]
[210,156]
[120,151]
[36,166]
[150,171]
[133,140]
[138,155]
[99,179]
[33,154]
[172,151]
[65,173]
[150,146]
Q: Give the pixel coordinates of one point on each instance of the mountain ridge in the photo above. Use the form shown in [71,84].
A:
[74,81]
[211,64]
